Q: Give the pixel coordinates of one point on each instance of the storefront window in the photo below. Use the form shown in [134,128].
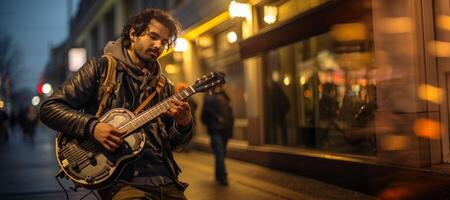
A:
[321,93]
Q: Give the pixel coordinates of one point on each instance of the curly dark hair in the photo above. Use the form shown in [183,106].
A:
[140,21]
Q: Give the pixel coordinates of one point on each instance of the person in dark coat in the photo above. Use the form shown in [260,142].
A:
[217,115]
[328,110]
[279,111]
[28,122]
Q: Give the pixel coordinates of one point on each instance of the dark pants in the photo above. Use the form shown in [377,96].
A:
[219,146]
[127,192]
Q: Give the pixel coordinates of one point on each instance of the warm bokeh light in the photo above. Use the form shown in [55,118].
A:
[430,93]
[443,22]
[275,76]
[270,14]
[307,93]
[356,88]
[338,78]
[231,37]
[205,41]
[172,69]
[327,60]
[349,32]
[394,142]
[2,104]
[237,9]
[287,80]
[302,80]
[427,128]
[439,48]
[181,45]
[397,25]
[362,82]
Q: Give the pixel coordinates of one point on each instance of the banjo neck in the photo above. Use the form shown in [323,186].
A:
[155,111]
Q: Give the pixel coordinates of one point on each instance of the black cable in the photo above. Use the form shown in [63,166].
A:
[57,180]
[91,192]
[60,174]
[86,195]
[96,196]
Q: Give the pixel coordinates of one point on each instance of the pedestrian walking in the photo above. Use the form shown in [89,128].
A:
[217,115]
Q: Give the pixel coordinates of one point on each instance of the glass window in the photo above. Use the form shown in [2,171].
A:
[321,93]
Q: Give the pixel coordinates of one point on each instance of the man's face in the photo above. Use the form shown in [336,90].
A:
[152,42]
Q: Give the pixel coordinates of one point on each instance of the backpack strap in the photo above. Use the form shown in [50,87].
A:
[108,84]
[161,82]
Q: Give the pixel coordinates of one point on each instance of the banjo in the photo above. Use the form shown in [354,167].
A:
[88,164]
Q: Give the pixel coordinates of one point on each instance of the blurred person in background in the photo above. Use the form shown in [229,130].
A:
[218,117]
[328,110]
[280,109]
[28,119]
[155,174]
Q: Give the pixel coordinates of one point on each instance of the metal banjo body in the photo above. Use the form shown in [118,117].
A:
[90,165]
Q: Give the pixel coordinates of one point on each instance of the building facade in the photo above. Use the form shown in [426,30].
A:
[321,88]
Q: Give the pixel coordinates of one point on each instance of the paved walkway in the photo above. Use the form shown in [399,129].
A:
[27,172]
[250,181]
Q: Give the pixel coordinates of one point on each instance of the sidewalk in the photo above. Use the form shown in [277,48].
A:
[27,172]
[250,181]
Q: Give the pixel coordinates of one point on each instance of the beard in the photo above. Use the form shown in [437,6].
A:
[146,55]
[146,58]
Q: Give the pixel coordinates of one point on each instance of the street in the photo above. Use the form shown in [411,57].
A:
[28,169]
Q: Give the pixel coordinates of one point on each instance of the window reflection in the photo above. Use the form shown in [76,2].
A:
[322,94]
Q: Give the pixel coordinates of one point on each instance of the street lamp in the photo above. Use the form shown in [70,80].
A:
[237,9]
[181,45]
[270,14]
[231,37]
